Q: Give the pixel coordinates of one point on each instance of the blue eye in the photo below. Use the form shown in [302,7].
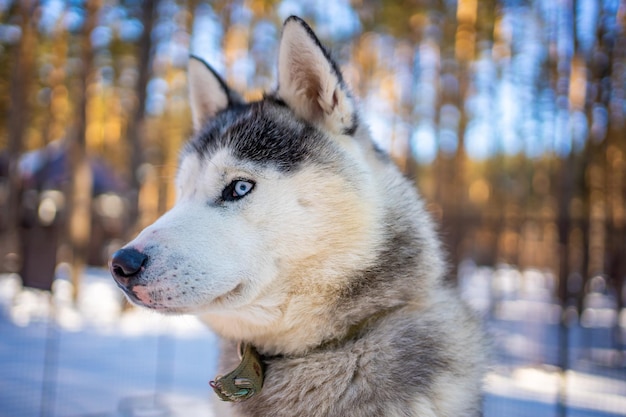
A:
[242,188]
[237,189]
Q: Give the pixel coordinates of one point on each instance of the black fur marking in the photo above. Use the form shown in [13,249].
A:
[420,356]
[351,130]
[401,253]
[264,131]
[274,98]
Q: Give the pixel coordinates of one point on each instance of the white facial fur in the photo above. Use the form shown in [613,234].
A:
[196,254]
[290,235]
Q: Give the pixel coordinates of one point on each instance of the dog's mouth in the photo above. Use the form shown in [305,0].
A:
[184,302]
[142,295]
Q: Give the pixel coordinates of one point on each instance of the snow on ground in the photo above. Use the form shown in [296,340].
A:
[545,384]
[98,360]
[99,307]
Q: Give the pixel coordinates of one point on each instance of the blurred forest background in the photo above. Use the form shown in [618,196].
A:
[508,114]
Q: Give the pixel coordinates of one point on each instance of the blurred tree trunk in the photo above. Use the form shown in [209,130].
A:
[81,182]
[21,75]
[57,114]
[445,168]
[136,127]
[615,166]
[605,172]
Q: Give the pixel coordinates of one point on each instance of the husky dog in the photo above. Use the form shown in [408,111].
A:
[294,235]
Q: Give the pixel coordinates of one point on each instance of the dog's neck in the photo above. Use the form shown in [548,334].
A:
[355,331]
[247,379]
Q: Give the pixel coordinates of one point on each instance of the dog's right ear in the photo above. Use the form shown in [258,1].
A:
[310,82]
[208,93]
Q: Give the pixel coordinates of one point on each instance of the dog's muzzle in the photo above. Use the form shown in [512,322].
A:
[126,265]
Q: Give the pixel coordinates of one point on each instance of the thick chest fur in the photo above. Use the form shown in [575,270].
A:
[408,365]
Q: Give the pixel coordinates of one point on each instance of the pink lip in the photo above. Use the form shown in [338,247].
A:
[142,294]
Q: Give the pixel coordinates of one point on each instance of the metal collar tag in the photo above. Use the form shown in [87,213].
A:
[244,381]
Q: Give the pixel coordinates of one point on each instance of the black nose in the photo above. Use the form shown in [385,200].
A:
[127,263]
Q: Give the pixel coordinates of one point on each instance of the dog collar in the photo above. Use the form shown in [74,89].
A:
[245,380]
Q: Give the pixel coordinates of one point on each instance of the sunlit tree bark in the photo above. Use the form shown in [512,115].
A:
[615,166]
[81,181]
[136,126]
[20,89]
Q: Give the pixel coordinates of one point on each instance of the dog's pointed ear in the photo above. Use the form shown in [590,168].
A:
[310,82]
[208,92]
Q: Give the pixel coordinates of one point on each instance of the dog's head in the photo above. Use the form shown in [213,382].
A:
[278,207]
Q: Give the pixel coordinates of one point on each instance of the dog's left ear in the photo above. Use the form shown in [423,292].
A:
[208,92]
[311,83]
